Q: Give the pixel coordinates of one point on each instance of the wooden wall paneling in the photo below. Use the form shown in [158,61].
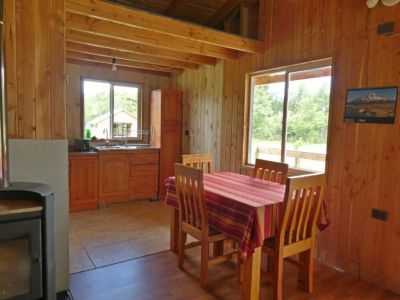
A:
[42,68]
[10,45]
[218,98]
[57,69]
[34,43]
[25,68]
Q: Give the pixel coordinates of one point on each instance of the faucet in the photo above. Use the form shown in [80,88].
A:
[105,130]
[125,138]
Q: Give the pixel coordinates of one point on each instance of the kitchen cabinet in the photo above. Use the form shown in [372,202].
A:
[112,176]
[114,173]
[165,118]
[83,182]
[144,174]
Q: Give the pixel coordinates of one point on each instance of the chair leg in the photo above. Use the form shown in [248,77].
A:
[181,248]
[309,270]
[278,277]
[204,263]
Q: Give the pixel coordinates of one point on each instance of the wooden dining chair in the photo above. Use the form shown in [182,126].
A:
[271,170]
[193,219]
[296,231]
[199,161]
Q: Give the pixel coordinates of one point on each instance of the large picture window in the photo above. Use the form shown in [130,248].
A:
[288,115]
[111,109]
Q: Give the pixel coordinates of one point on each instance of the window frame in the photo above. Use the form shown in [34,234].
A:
[249,93]
[112,84]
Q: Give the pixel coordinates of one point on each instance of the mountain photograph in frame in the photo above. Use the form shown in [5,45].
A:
[373,105]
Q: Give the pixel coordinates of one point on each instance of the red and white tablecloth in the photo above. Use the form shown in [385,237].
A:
[232,202]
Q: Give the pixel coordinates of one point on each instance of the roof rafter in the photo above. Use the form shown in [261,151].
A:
[162,25]
[223,12]
[110,43]
[89,49]
[174,7]
[142,36]
[121,62]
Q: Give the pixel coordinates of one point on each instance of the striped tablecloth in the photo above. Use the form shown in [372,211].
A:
[232,201]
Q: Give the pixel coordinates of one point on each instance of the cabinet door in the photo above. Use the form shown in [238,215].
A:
[169,155]
[83,184]
[171,112]
[114,177]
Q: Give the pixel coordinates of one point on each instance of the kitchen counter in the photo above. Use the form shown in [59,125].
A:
[112,150]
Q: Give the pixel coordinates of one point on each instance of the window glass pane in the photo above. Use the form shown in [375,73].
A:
[96,95]
[126,117]
[266,117]
[307,119]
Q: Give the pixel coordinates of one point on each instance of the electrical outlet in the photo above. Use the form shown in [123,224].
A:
[187,132]
[379,214]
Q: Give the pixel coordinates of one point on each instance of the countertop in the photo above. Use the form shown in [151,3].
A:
[97,152]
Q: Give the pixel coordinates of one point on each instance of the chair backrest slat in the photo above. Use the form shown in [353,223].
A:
[199,161]
[190,191]
[302,205]
[271,170]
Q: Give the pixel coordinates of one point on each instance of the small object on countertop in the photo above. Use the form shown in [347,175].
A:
[88,134]
[82,145]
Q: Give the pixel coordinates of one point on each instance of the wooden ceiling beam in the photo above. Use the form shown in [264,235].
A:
[119,62]
[105,42]
[142,36]
[160,24]
[107,66]
[174,7]
[223,12]
[302,75]
[89,49]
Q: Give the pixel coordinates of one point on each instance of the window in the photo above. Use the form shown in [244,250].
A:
[288,115]
[111,109]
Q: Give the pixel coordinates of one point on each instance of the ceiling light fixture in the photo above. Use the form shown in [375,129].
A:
[114,64]
[373,3]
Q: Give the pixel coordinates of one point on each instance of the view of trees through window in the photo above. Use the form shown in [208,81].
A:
[111,105]
[306,121]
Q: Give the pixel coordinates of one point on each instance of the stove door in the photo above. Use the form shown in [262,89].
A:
[21,260]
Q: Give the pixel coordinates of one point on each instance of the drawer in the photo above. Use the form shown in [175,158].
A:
[144,184]
[144,170]
[142,158]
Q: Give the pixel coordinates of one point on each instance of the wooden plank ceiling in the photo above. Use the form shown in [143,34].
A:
[99,31]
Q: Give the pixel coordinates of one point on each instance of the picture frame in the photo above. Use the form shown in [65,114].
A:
[371,105]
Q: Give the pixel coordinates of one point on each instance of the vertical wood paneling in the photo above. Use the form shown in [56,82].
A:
[42,78]
[11,66]
[363,159]
[34,43]
[202,108]
[25,68]
[57,69]
[74,104]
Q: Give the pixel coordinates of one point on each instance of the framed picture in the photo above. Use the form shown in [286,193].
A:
[374,105]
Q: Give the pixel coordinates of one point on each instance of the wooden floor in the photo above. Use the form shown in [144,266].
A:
[157,277]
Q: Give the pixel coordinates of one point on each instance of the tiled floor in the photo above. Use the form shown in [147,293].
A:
[115,234]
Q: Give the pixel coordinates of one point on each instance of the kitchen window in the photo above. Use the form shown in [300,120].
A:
[112,110]
[288,113]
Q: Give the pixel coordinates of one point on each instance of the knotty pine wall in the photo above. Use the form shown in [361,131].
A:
[34,49]
[363,159]
[201,109]
[74,104]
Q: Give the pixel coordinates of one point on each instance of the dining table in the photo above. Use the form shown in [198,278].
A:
[240,207]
